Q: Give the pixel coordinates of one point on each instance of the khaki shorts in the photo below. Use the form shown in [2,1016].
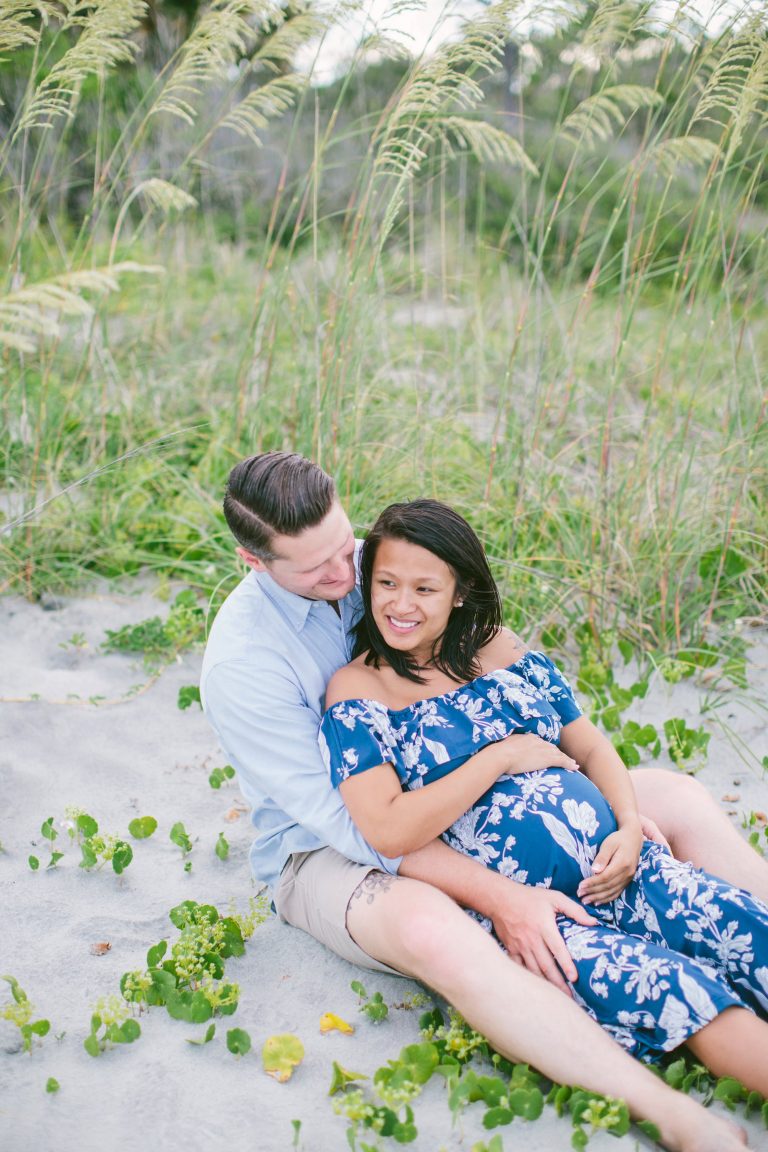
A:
[313,893]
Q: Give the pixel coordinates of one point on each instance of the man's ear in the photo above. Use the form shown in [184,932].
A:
[252,561]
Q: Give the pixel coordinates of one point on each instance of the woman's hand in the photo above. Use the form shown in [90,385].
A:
[527,752]
[614,866]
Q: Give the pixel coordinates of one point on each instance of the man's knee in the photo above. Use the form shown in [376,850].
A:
[412,926]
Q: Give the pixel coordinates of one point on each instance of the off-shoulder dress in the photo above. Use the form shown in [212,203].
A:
[675,949]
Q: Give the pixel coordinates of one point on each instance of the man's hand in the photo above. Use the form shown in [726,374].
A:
[614,866]
[525,922]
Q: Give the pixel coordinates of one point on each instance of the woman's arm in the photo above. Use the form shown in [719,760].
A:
[395,822]
[616,861]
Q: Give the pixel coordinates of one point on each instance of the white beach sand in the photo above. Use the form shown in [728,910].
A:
[137,754]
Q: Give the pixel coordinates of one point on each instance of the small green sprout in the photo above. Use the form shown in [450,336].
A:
[77,641]
[20,1013]
[373,1006]
[220,776]
[188,694]
[110,1024]
[222,847]
[179,836]
[342,1078]
[52,1085]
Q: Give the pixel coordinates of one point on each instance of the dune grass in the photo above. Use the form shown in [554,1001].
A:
[588,391]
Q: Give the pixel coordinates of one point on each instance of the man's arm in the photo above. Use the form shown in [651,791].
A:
[270,734]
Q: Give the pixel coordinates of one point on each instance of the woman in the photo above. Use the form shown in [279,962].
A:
[495,755]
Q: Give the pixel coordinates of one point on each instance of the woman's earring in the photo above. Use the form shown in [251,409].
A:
[459,603]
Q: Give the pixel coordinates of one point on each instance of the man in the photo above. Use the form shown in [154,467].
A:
[273,646]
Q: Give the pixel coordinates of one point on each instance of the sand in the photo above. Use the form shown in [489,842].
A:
[92,729]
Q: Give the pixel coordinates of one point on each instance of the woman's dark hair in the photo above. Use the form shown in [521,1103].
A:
[440,530]
[275,494]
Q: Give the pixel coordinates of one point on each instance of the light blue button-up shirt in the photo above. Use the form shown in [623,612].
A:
[269,657]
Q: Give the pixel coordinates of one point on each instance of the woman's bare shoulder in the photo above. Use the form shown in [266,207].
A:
[506,648]
[351,682]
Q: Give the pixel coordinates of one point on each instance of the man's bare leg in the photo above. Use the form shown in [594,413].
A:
[697,828]
[421,932]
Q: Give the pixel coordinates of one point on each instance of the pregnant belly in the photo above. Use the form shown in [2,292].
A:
[541,828]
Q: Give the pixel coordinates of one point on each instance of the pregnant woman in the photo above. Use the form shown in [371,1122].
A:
[444,723]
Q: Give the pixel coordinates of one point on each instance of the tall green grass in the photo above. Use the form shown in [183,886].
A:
[551,314]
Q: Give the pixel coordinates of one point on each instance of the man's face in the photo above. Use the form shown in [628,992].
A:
[318,563]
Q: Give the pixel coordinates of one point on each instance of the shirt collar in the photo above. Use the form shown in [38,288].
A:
[295,608]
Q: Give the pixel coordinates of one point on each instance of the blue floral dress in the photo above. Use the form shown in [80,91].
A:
[676,948]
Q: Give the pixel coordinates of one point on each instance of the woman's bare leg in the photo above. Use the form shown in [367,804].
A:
[697,828]
[418,930]
[735,1044]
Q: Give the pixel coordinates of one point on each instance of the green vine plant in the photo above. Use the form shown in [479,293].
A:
[189,979]
[159,640]
[687,746]
[96,849]
[20,1012]
[450,1048]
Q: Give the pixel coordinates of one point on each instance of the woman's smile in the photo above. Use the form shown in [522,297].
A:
[401,625]
[413,593]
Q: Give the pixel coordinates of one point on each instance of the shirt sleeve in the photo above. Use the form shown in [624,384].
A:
[352,740]
[554,686]
[269,732]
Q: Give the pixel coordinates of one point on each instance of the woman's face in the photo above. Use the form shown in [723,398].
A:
[413,592]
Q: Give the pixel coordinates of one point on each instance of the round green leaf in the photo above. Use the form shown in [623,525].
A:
[33,862]
[87,825]
[191,1006]
[182,914]
[91,1045]
[156,953]
[281,1054]
[142,827]
[238,1041]
[51,1085]
[129,1031]
[214,965]
[48,829]
[121,857]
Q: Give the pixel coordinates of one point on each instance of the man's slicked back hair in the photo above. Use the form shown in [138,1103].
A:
[275,494]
